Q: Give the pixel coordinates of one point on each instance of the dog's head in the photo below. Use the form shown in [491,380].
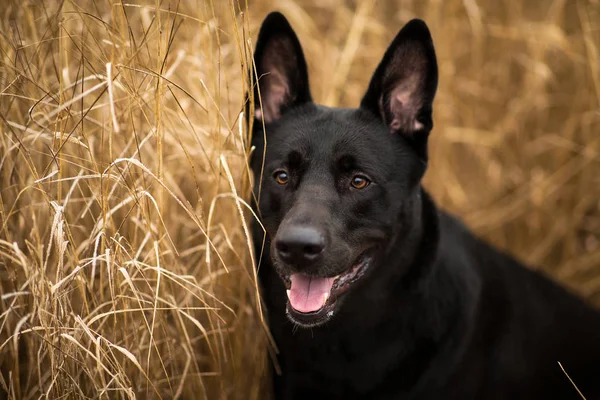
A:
[334,185]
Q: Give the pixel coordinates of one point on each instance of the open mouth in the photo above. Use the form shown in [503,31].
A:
[312,300]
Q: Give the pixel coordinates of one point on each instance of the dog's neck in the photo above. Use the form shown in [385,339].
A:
[417,244]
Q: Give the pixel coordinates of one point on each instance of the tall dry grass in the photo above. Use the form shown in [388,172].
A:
[124,260]
[126,266]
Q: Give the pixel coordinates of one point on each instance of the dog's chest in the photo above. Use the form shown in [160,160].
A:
[338,364]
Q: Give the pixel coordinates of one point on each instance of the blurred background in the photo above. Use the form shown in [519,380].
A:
[124,252]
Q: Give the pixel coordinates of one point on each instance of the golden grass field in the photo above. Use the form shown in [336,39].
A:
[124,251]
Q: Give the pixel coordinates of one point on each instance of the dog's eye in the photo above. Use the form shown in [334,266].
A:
[281,177]
[359,182]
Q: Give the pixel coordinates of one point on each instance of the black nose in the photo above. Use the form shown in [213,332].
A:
[299,244]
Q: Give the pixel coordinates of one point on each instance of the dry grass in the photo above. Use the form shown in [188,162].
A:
[124,263]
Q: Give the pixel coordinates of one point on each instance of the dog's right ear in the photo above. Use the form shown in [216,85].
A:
[280,69]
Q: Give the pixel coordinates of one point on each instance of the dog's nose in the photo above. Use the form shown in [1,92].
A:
[300,244]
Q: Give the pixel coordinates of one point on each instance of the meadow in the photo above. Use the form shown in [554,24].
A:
[126,264]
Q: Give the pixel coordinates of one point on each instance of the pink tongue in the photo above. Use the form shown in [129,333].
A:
[307,294]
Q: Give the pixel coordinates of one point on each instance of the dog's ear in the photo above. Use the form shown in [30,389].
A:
[280,68]
[403,86]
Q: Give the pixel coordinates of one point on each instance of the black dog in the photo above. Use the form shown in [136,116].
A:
[372,292]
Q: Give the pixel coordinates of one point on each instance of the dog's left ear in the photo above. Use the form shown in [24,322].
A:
[403,86]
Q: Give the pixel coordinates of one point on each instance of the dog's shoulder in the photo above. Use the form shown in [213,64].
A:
[523,322]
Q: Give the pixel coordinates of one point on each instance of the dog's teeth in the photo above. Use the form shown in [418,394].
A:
[325,297]
[288,293]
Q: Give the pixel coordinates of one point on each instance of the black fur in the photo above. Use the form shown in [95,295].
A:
[438,314]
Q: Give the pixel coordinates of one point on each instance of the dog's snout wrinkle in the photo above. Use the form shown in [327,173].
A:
[300,244]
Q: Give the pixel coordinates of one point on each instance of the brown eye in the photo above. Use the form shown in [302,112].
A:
[281,177]
[359,182]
